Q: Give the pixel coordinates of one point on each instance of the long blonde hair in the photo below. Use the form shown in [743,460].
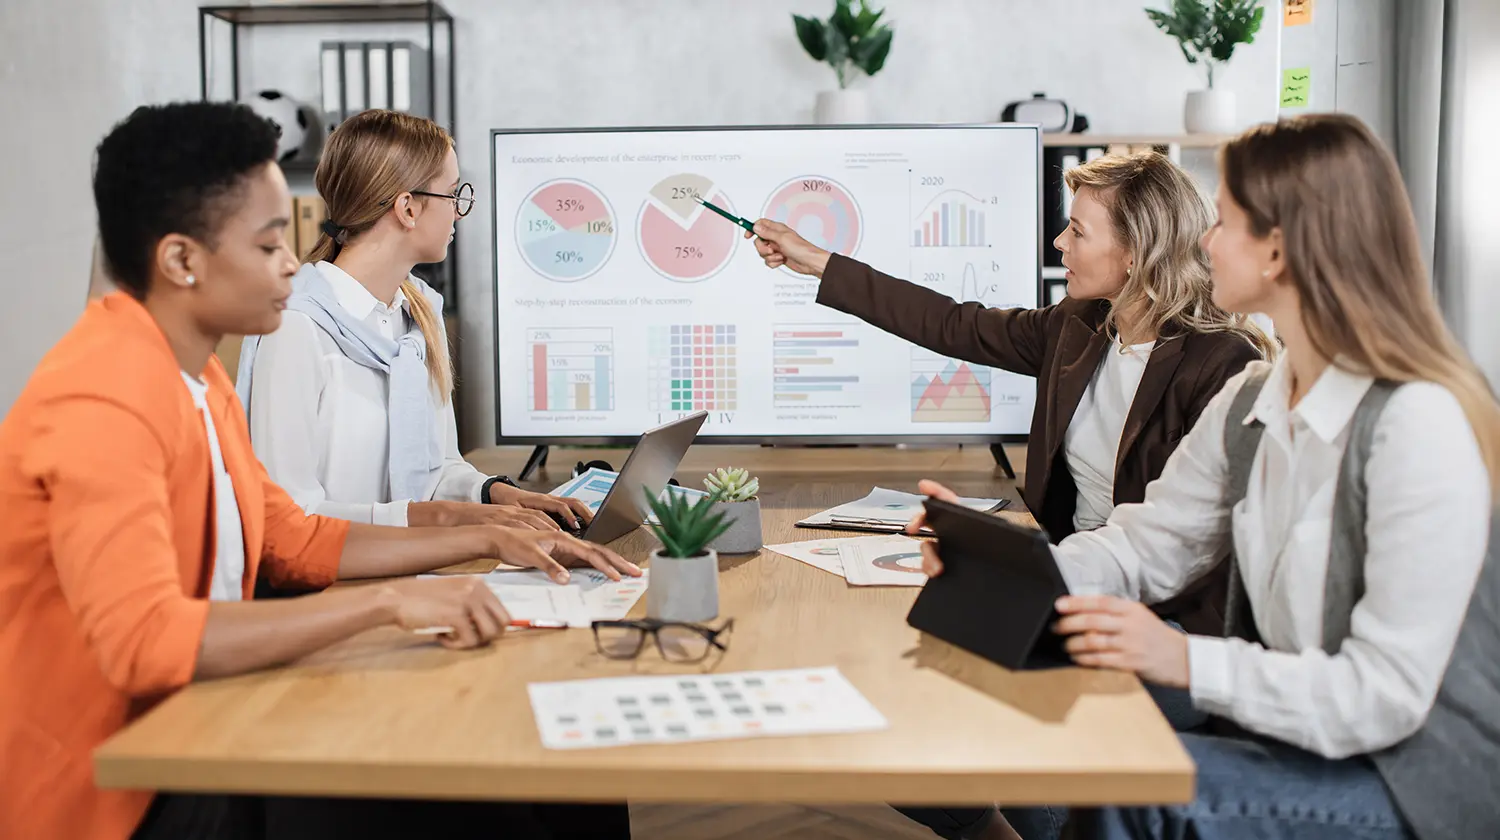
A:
[368,160]
[1159,215]
[1351,249]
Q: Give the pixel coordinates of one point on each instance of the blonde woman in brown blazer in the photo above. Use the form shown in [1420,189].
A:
[1124,365]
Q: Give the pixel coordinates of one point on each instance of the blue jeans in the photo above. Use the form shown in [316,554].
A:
[1252,789]
[1246,790]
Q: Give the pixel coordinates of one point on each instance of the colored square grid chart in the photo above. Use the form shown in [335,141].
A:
[694,367]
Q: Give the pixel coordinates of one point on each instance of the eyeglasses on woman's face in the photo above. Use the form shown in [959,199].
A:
[462,198]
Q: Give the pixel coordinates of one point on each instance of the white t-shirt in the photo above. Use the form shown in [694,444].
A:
[1093,437]
[229,545]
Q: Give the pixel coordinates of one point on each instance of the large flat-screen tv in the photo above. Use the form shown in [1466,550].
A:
[622,303]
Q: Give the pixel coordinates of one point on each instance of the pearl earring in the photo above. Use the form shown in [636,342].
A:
[1266,273]
[191,280]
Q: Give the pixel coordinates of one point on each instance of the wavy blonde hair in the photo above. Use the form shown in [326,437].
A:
[1352,251]
[368,160]
[1159,215]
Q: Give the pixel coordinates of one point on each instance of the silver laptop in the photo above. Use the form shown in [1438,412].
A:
[647,471]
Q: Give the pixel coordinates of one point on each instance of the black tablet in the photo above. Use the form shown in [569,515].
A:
[996,595]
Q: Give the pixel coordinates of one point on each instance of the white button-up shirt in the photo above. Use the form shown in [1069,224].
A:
[1427,530]
[320,422]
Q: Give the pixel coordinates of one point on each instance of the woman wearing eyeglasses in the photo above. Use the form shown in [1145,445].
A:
[349,400]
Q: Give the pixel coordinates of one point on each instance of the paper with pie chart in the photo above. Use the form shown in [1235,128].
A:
[883,561]
[565,230]
[678,237]
[822,210]
[820,554]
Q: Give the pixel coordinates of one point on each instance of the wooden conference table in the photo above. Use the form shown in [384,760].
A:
[392,715]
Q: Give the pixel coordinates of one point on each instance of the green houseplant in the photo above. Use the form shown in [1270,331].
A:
[1207,31]
[853,40]
[684,571]
[736,489]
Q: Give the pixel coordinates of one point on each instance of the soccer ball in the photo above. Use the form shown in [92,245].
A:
[301,130]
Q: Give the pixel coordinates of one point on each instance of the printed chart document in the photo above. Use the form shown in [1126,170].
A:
[822,554]
[649,710]
[885,511]
[883,561]
[588,597]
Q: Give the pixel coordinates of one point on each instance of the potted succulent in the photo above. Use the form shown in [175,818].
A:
[684,571]
[736,490]
[1207,31]
[853,39]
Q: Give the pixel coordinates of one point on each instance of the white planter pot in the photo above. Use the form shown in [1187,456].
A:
[1210,112]
[842,107]
[683,588]
[744,534]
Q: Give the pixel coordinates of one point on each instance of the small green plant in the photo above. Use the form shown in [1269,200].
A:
[733,484]
[1209,30]
[848,40]
[684,529]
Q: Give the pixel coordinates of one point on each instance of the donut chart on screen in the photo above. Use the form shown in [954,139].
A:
[565,230]
[822,210]
[678,237]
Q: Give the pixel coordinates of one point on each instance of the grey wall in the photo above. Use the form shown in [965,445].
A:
[68,71]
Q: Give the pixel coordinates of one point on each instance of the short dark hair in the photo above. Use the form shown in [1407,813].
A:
[168,169]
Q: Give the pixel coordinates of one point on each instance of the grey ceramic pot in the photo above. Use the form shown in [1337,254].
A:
[744,534]
[683,588]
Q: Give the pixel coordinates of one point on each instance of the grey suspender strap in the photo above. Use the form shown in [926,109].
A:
[1241,440]
[1344,584]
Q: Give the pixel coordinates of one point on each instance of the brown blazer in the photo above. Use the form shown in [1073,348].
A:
[1062,346]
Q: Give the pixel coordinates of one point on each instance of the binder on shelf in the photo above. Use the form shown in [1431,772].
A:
[311,211]
[331,76]
[356,88]
[378,71]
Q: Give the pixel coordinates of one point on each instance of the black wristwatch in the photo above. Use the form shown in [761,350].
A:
[484,489]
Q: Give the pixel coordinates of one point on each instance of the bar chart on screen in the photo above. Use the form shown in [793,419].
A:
[815,366]
[572,369]
[952,219]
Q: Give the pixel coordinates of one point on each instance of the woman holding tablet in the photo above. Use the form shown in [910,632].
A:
[349,401]
[1124,366]
[1353,481]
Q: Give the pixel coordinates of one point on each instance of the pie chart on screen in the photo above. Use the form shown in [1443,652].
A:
[682,240]
[820,209]
[565,230]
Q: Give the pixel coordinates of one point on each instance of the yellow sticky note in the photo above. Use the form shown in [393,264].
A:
[1296,87]
[1297,12]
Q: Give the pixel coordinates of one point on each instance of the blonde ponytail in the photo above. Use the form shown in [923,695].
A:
[439,360]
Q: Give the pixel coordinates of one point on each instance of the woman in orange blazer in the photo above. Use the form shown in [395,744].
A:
[137,517]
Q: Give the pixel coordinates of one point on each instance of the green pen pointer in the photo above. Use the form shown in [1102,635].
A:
[744,223]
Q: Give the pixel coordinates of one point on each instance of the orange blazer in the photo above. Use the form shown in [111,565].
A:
[106,554]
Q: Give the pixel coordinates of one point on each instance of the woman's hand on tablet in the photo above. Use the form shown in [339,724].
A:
[1108,632]
[449,514]
[572,511]
[937,491]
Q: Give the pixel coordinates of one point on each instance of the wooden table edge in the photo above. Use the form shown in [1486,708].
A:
[1080,787]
